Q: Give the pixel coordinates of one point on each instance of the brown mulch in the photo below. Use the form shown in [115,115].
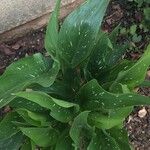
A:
[138,123]
[19,48]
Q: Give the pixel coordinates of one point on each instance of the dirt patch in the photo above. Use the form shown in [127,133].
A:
[138,126]
[19,48]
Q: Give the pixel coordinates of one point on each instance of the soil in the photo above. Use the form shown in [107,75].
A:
[19,48]
[138,123]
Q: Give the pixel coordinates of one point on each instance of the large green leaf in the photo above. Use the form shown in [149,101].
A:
[100,52]
[12,143]
[105,56]
[60,110]
[7,128]
[26,145]
[81,132]
[51,38]
[59,89]
[64,141]
[108,77]
[121,137]
[103,141]
[43,137]
[109,118]
[19,102]
[135,75]
[35,119]
[34,69]
[112,74]
[94,97]
[79,31]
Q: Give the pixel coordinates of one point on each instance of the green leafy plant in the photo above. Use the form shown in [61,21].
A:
[136,29]
[78,98]
[140,2]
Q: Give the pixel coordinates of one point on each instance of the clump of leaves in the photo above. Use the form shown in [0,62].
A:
[78,98]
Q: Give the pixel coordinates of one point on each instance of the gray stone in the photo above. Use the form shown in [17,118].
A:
[16,13]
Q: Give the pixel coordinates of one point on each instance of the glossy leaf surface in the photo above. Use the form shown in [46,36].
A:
[19,75]
[103,141]
[94,97]
[81,132]
[51,38]
[79,31]
[60,110]
[43,137]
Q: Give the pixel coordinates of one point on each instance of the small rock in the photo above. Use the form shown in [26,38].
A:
[142,113]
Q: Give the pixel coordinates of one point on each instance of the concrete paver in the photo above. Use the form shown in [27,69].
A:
[14,13]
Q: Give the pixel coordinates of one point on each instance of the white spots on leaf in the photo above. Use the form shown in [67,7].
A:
[84,46]
[75,25]
[1,100]
[81,22]
[100,67]
[130,96]
[117,96]
[114,104]
[29,90]
[54,105]
[120,101]
[99,62]
[19,102]
[71,44]
[14,128]
[103,104]
[29,132]
[125,67]
[18,68]
[104,59]
[95,94]
[85,35]
[137,81]
[101,94]
[31,75]
[79,31]
[41,69]
[96,101]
